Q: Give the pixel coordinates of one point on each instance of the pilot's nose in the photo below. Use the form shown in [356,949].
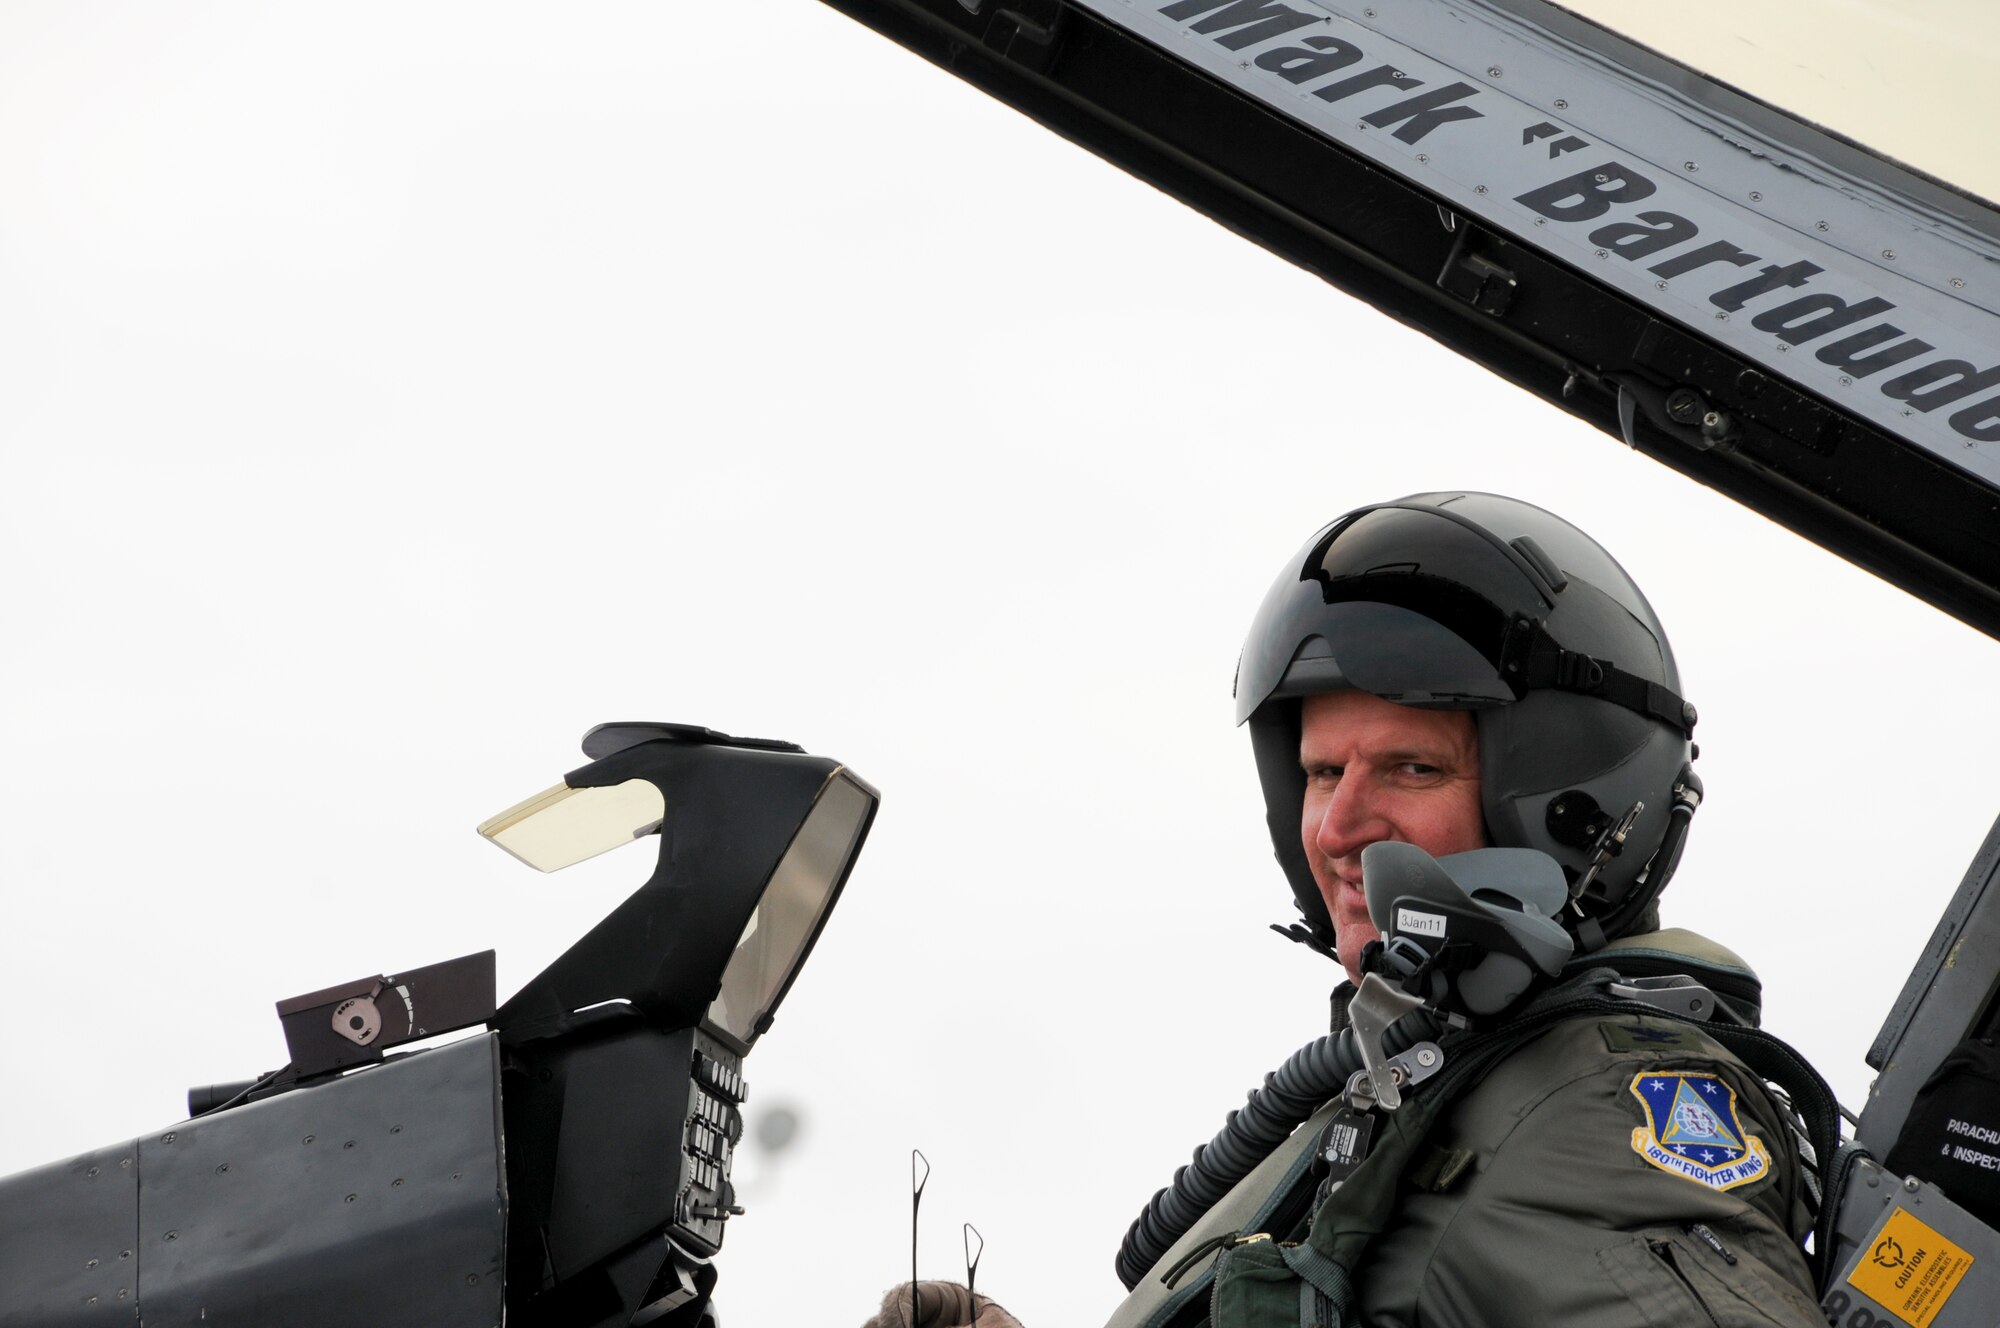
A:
[1352,819]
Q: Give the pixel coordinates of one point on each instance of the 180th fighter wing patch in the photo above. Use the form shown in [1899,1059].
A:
[1691,1130]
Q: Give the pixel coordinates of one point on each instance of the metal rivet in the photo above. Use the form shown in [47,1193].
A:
[472,1279]
[1710,420]
[1562,104]
[1427,1057]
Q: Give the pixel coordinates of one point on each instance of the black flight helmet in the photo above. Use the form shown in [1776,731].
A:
[1472,601]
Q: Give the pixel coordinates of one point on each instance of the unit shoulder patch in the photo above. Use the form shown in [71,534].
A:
[1692,1130]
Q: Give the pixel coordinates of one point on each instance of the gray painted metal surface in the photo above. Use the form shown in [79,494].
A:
[375,1199]
[1905,1254]
[68,1237]
[1874,289]
[1947,997]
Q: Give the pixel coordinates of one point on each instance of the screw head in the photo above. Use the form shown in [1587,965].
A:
[1423,156]
[351,1198]
[167,1138]
[1756,196]
[308,1139]
[1889,254]
[91,1174]
[1819,225]
[1659,285]
[1479,189]
[1493,71]
[1910,1183]
[1845,381]
[90,1263]
[171,1235]
[222,1168]
[1604,253]
[1958,283]
[1689,166]
[1562,103]
[1427,1057]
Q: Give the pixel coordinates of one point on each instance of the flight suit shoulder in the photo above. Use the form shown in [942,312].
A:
[1576,1174]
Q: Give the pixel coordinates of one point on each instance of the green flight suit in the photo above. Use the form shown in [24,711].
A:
[1530,1198]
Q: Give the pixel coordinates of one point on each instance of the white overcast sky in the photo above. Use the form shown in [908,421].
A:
[388,393]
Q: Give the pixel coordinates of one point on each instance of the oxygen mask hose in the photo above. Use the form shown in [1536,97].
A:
[1313,1075]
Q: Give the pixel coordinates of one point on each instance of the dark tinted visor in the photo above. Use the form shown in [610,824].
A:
[1405,603]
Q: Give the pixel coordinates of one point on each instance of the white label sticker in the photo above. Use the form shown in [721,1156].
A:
[1413,923]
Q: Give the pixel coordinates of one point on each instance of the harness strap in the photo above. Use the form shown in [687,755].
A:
[1326,1294]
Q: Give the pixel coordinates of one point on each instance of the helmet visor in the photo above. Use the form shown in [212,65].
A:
[1399,602]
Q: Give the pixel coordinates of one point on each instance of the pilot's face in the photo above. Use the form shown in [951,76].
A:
[1379,771]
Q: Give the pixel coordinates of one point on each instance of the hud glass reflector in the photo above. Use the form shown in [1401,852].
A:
[562,826]
[793,906]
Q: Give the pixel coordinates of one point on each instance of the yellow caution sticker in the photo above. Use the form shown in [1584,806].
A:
[1911,1270]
